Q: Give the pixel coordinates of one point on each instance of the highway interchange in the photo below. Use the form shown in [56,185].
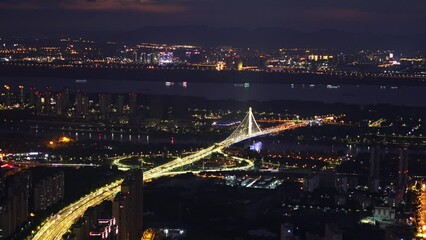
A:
[56,226]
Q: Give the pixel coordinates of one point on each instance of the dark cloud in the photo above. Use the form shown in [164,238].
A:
[352,15]
[96,5]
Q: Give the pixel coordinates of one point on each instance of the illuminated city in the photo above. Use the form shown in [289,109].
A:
[67,54]
[213,120]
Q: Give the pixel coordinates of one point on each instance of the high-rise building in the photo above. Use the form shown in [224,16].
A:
[96,223]
[133,102]
[152,58]
[103,231]
[62,102]
[14,203]
[78,103]
[2,188]
[8,96]
[287,231]
[103,109]
[311,183]
[65,97]
[108,103]
[403,168]
[48,191]
[39,194]
[104,226]
[104,105]
[127,207]
[47,96]
[21,95]
[33,97]
[38,103]
[120,104]
[346,182]
[58,188]
[59,105]
[81,104]
[374,171]
[85,105]
[80,230]
[135,56]
[143,58]
[120,212]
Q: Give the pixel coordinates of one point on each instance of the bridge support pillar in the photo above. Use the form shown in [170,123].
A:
[250,122]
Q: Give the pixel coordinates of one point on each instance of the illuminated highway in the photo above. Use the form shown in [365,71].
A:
[50,164]
[58,225]
[249,165]
[421,212]
[121,166]
[180,162]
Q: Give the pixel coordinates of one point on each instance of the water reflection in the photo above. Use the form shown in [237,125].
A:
[353,94]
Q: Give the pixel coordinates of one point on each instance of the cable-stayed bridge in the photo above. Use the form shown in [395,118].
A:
[58,224]
[247,129]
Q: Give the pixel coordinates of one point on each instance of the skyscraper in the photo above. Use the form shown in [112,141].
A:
[48,191]
[21,95]
[78,103]
[374,174]
[59,105]
[287,231]
[14,203]
[47,95]
[33,96]
[103,105]
[120,213]
[38,102]
[133,101]
[127,207]
[81,104]
[120,104]
[143,58]
[8,94]
[84,105]
[403,168]
[65,97]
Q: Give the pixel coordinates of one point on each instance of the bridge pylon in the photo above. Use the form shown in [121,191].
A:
[247,127]
[250,121]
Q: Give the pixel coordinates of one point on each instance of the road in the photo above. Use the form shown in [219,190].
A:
[58,225]
[49,164]
[179,162]
[421,225]
[250,164]
[121,166]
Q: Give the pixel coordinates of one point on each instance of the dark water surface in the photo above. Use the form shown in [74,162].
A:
[351,94]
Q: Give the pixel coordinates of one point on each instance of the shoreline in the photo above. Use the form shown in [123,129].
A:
[202,76]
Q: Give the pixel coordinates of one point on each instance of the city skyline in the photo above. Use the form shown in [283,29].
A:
[212,119]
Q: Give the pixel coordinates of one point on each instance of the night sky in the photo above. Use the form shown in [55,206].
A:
[381,16]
